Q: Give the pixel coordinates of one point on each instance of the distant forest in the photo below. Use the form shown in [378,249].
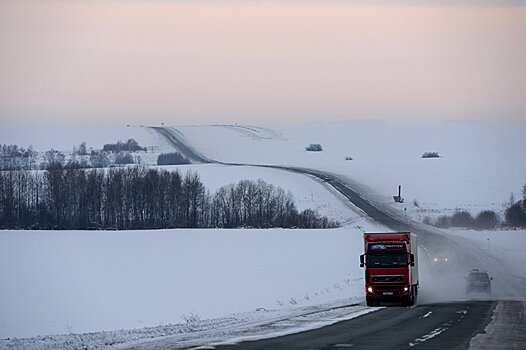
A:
[13,157]
[72,197]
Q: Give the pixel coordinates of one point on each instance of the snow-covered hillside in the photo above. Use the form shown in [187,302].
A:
[480,164]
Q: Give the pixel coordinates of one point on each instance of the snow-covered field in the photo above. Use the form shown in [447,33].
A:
[85,281]
[193,285]
[480,163]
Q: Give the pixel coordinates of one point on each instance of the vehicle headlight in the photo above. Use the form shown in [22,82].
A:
[436,259]
[406,289]
[370,289]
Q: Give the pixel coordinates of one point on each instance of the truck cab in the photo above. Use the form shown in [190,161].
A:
[391,268]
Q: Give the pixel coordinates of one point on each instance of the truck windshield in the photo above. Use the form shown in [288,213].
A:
[386,260]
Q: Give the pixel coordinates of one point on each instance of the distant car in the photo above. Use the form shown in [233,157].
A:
[440,260]
[478,282]
[441,263]
[327,179]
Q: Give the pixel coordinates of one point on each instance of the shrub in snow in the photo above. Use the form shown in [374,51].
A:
[81,150]
[314,147]
[13,157]
[486,219]
[124,158]
[443,221]
[515,215]
[427,220]
[430,155]
[174,158]
[191,319]
[53,156]
[130,146]
[462,219]
[99,159]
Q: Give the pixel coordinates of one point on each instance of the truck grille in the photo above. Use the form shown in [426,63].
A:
[387,278]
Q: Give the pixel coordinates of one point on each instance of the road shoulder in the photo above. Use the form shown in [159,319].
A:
[507,329]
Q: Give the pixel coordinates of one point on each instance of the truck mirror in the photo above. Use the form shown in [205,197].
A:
[362,260]
[412,259]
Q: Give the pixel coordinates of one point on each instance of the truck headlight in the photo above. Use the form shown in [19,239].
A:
[370,289]
[406,289]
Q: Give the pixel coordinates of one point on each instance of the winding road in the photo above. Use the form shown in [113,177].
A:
[434,326]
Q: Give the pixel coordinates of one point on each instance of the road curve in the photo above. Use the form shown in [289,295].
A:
[396,328]
[427,237]
[176,139]
[463,255]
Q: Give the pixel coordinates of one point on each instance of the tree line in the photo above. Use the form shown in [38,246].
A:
[514,216]
[13,157]
[73,197]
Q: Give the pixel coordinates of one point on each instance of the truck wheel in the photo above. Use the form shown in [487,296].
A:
[412,299]
[369,301]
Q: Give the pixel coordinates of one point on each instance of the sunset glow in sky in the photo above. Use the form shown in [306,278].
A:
[261,62]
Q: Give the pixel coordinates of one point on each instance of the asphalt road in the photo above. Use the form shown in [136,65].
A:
[176,139]
[439,326]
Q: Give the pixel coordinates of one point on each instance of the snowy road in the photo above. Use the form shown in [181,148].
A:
[430,240]
[459,321]
[440,326]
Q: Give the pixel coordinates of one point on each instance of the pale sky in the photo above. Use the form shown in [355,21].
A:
[260,62]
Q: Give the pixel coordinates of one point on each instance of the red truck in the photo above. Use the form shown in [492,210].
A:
[391,268]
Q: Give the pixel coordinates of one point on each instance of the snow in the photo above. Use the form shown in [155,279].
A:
[479,167]
[506,246]
[506,328]
[231,329]
[223,285]
[84,281]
